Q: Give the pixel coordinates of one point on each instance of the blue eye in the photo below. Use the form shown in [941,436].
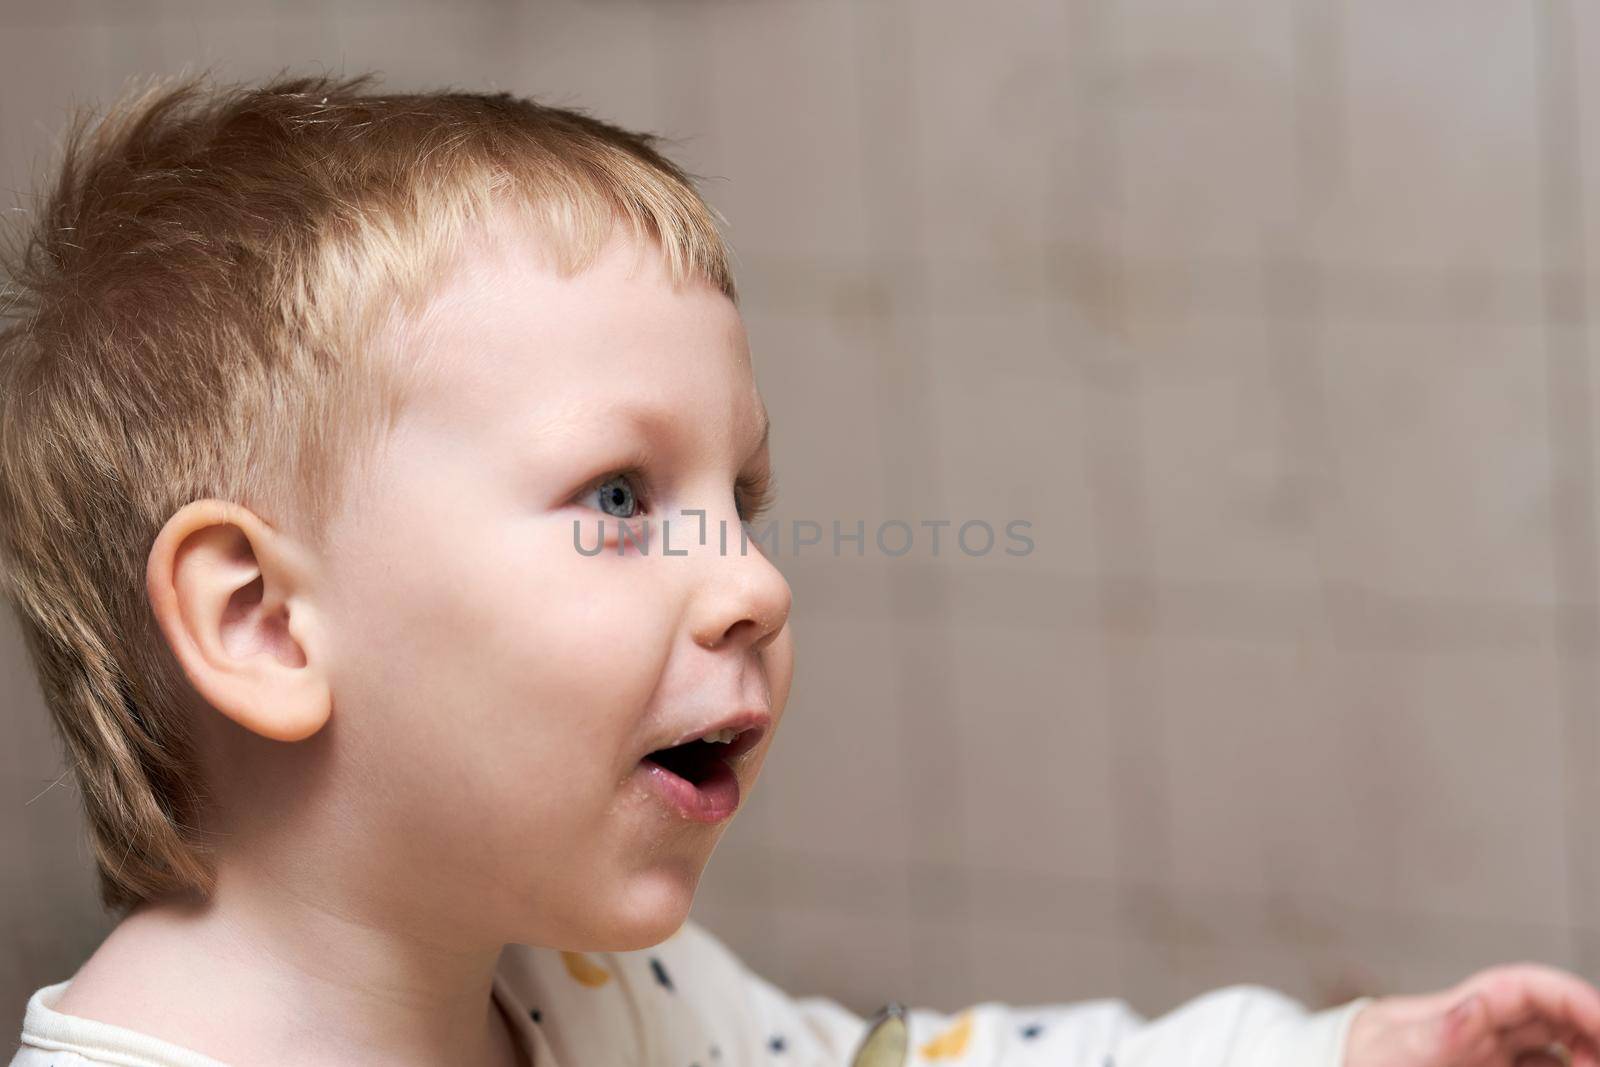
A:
[616,497]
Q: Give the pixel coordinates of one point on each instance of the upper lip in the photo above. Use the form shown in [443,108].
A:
[751,723]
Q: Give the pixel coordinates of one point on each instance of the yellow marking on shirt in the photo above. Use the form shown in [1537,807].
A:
[951,1043]
[585,971]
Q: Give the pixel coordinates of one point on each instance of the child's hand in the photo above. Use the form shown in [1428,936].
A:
[1505,1016]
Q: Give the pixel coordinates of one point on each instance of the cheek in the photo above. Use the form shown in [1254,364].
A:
[507,648]
[585,632]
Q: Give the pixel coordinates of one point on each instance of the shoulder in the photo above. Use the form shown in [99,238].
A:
[59,1039]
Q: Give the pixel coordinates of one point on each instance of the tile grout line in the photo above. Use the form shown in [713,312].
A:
[1295,290]
[1321,906]
[1572,438]
[885,45]
[1109,380]
[1194,608]
[1356,293]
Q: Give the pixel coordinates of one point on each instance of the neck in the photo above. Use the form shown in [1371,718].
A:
[220,977]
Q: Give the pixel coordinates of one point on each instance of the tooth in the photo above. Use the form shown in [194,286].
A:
[722,737]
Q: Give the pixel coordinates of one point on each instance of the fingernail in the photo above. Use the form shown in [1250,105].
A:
[1460,1012]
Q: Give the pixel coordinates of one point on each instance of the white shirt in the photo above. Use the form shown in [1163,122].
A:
[690,1002]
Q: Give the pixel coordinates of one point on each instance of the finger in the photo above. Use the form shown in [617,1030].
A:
[1585,1053]
[1545,1052]
[1463,1036]
[1578,1049]
[1520,993]
[1532,1036]
[1533,1044]
[1539,1059]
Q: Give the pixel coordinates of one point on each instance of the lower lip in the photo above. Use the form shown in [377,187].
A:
[713,800]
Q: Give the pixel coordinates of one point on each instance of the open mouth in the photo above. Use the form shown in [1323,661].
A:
[696,777]
[695,761]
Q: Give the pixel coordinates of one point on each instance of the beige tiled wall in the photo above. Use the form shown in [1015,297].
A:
[1273,318]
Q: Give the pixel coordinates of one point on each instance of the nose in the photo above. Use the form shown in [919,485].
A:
[742,598]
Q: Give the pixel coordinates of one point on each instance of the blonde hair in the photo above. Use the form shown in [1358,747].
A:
[208,305]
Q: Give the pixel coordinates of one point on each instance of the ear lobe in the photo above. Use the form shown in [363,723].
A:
[231,596]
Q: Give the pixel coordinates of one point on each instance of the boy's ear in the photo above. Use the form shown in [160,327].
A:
[232,596]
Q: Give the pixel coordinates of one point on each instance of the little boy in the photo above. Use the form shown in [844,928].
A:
[315,404]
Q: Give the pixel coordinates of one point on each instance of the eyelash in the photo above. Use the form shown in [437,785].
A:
[758,489]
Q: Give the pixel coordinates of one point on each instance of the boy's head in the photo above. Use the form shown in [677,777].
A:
[312,403]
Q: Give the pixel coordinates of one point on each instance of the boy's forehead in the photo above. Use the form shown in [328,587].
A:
[508,339]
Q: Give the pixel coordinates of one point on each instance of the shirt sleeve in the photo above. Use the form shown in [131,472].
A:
[1238,1026]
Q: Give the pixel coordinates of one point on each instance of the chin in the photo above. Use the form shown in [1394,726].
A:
[654,909]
